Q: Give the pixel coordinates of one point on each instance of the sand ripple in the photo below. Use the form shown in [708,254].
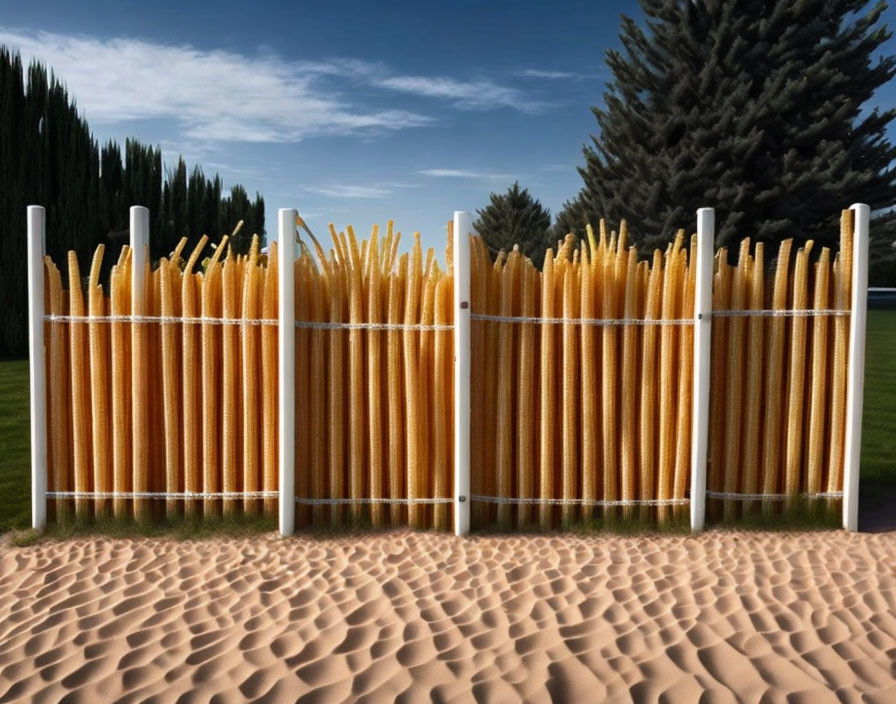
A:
[418,617]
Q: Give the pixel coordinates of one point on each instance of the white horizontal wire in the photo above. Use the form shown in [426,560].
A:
[340,502]
[793,313]
[327,325]
[170,320]
[229,495]
[324,325]
[182,495]
[604,322]
[580,502]
[734,496]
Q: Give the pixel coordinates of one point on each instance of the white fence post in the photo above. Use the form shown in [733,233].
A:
[856,373]
[37,220]
[702,356]
[286,340]
[139,231]
[463,227]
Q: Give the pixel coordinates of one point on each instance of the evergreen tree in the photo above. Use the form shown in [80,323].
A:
[515,218]
[196,212]
[238,207]
[213,206]
[748,106]
[176,205]
[49,157]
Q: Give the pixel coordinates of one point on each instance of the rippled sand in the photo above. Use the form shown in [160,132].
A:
[423,617]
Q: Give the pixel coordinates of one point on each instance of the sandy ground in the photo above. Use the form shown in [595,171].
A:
[417,617]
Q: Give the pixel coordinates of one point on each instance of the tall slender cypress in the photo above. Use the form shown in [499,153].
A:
[49,157]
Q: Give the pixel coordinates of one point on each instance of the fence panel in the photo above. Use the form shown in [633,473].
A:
[582,390]
[374,391]
[778,403]
[582,383]
[146,388]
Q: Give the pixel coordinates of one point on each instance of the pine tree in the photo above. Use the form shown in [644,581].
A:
[515,218]
[748,106]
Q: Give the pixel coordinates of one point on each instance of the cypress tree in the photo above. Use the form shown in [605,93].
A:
[177,206]
[515,218]
[211,215]
[238,207]
[258,217]
[196,225]
[748,106]
[49,157]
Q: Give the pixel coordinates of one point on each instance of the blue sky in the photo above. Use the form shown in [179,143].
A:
[352,112]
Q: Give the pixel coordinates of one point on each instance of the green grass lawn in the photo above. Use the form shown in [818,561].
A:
[878,436]
[15,446]
[879,416]
[878,477]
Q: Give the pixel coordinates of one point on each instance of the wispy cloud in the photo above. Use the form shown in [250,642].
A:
[220,96]
[469,95]
[461,173]
[213,95]
[540,74]
[554,75]
[340,191]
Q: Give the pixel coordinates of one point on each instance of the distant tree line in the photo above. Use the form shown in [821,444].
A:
[49,157]
[753,107]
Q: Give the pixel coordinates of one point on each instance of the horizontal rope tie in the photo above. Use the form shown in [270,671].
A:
[795,313]
[323,325]
[734,496]
[580,502]
[180,495]
[169,320]
[603,322]
[341,502]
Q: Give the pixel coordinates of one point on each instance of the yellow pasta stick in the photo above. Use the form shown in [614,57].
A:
[797,374]
[772,435]
[734,382]
[356,411]
[99,385]
[211,355]
[629,430]
[546,458]
[721,300]
[818,384]
[412,391]
[120,304]
[443,375]
[839,362]
[270,413]
[750,452]
[525,429]
[192,400]
[649,398]
[230,437]
[395,380]
[58,425]
[78,373]
[250,354]
[375,375]
[171,381]
[589,365]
